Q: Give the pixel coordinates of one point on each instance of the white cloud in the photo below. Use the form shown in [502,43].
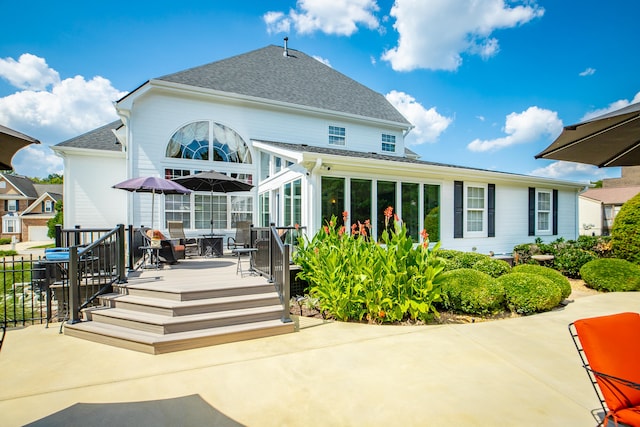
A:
[28,72]
[576,171]
[429,124]
[435,34]
[277,22]
[325,61]
[51,109]
[37,160]
[616,105]
[340,17]
[588,72]
[522,128]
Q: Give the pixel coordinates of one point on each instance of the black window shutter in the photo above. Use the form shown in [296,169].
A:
[555,212]
[6,205]
[532,211]
[42,206]
[458,209]
[491,211]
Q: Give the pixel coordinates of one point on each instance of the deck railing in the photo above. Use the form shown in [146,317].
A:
[273,259]
[37,290]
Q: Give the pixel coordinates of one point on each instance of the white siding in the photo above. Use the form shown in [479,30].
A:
[89,200]
[590,222]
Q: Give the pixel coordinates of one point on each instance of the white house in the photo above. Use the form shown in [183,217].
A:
[599,207]
[313,142]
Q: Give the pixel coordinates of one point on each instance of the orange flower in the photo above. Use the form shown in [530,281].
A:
[345,215]
[331,224]
[326,229]
[424,234]
[388,213]
[354,228]
[297,226]
[381,314]
[341,231]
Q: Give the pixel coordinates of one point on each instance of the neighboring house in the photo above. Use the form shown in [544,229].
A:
[313,142]
[599,206]
[26,207]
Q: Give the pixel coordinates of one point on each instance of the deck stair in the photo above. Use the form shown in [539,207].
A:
[161,316]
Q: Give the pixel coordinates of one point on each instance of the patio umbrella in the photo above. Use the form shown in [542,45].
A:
[214,182]
[612,139]
[10,142]
[153,185]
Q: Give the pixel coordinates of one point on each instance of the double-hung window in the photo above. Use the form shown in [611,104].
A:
[48,206]
[12,205]
[388,143]
[543,212]
[337,135]
[476,210]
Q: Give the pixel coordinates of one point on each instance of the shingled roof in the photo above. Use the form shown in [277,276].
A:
[295,78]
[101,138]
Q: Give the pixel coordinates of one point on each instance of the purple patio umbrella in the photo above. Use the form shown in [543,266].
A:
[153,185]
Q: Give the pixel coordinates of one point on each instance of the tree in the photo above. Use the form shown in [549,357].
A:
[625,234]
[53,178]
[57,219]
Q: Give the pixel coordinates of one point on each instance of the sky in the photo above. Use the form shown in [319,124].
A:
[487,84]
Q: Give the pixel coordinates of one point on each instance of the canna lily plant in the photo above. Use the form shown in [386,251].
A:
[354,278]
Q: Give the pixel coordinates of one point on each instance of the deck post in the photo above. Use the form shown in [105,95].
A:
[120,266]
[74,297]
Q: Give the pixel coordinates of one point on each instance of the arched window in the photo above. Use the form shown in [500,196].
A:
[192,142]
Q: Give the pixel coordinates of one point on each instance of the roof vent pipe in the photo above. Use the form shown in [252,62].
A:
[286,49]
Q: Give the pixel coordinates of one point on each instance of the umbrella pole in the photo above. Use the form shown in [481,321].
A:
[153,204]
[211,212]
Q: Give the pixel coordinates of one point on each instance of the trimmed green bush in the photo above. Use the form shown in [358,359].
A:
[549,273]
[492,266]
[569,261]
[469,291]
[611,275]
[625,234]
[529,293]
[459,258]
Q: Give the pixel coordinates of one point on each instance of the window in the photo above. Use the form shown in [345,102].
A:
[388,143]
[386,198]
[265,211]
[410,214]
[333,194]
[337,135]
[10,225]
[12,205]
[48,206]
[241,209]
[265,158]
[360,200]
[543,211]
[475,209]
[177,208]
[432,211]
[206,140]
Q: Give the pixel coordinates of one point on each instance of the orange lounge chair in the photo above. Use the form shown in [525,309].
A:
[609,347]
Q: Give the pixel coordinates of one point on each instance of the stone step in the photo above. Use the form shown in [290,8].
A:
[173,308]
[160,324]
[151,343]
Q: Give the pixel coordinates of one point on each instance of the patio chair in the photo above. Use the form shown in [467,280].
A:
[243,236]
[609,347]
[176,231]
[169,251]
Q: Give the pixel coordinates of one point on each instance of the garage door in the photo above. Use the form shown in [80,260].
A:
[38,234]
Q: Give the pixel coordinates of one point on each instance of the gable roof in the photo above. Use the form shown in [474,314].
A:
[611,196]
[101,138]
[52,189]
[23,184]
[294,79]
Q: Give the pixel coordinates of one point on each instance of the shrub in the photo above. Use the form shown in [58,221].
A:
[470,291]
[492,266]
[625,234]
[549,273]
[600,245]
[611,275]
[529,293]
[460,259]
[570,260]
[5,240]
[354,278]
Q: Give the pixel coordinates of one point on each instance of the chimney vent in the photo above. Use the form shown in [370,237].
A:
[286,49]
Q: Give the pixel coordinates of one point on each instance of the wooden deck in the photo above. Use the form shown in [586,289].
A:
[197,302]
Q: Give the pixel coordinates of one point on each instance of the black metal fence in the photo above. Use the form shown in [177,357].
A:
[43,289]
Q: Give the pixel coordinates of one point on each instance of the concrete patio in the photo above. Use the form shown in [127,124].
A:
[520,372]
